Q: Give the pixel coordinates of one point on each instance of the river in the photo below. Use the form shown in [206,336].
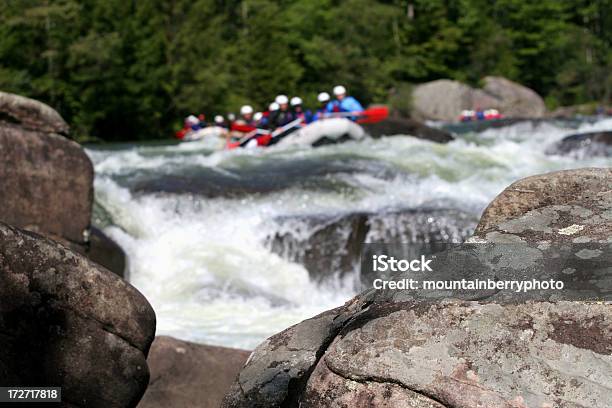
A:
[219,241]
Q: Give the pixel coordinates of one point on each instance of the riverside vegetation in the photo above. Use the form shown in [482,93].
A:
[118,70]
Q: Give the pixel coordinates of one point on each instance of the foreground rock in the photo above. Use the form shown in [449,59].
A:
[401,126]
[186,375]
[67,322]
[585,145]
[31,114]
[571,205]
[47,180]
[444,99]
[402,348]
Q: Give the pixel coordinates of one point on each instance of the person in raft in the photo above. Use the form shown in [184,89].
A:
[343,102]
[298,110]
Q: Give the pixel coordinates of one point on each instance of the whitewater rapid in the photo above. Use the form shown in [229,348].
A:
[196,222]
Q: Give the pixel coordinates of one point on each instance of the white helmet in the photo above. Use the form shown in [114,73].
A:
[192,120]
[257,116]
[339,90]
[273,107]
[323,97]
[218,119]
[296,100]
[231,117]
[246,110]
[281,99]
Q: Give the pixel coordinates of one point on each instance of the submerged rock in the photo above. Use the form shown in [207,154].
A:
[450,349]
[189,375]
[585,145]
[67,322]
[411,127]
[331,244]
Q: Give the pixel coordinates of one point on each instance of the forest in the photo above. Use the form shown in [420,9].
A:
[121,70]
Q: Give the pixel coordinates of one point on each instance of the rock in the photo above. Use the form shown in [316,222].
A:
[401,126]
[470,355]
[46,181]
[333,243]
[106,252]
[516,100]
[542,207]
[185,374]
[31,114]
[585,145]
[444,99]
[403,348]
[67,322]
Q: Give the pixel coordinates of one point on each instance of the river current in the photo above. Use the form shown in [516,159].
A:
[218,241]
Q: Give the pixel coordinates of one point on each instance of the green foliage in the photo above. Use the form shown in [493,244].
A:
[123,70]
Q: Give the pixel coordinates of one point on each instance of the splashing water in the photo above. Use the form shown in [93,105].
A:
[195,222]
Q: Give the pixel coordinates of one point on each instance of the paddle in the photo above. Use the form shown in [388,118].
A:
[257,131]
[370,115]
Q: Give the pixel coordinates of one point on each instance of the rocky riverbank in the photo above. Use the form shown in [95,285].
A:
[399,349]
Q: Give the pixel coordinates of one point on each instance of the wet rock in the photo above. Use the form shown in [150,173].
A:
[584,145]
[185,374]
[402,126]
[46,180]
[331,244]
[31,114]
[444,99]
[564,206]
[67,322]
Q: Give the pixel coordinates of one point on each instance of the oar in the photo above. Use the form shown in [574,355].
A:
[371,115]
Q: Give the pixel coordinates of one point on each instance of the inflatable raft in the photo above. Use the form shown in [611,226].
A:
[322,132]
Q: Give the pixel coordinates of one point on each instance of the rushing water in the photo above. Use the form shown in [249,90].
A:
[197,223]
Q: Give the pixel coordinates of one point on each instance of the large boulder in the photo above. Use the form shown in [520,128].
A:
[190,375]
[46,182]
[444,99]
[67,322]
[497,349]
[31,114]
[516,100]
[569,205]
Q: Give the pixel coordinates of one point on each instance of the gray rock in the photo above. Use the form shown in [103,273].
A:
[46,183]
[67,322]
[516,100]
[31,114]
[444,99]
[186,375]
[559,206]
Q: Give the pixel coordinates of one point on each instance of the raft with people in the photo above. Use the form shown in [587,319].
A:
[286,123]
